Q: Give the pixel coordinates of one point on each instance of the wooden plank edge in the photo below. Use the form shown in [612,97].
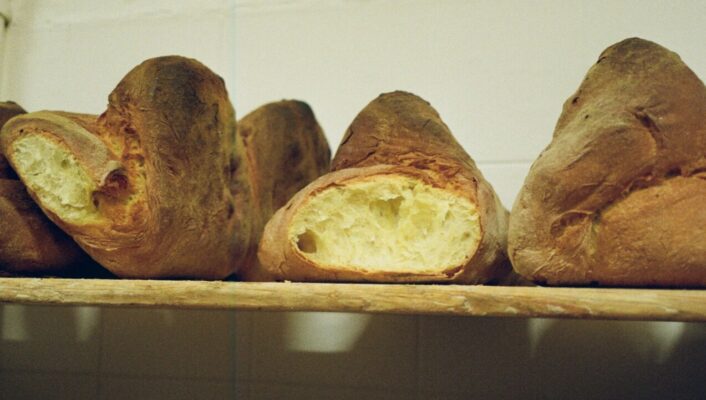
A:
[495,301]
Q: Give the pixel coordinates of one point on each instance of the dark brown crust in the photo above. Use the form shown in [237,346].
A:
[397,133]
[8,110]
[617,197]
[168,136]
[283,149]
[29,242]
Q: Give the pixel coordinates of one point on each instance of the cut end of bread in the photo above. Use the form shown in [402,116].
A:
[389,224]
[54,175]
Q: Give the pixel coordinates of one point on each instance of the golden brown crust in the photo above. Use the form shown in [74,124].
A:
[163,162]
[281,148]
[397,133]
[70,131]
[29,242]
[615,199]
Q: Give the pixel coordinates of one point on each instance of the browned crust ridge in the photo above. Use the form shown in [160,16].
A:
[617,196]
[29,242]
[396,134]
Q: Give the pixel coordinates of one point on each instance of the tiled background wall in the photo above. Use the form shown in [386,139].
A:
[497,71]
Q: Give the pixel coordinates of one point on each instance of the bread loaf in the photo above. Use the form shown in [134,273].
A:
[403,203]
[146,188]
[161,184]
[29,242]
[617,198]
[284,149]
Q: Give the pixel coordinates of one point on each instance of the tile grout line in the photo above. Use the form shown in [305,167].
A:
[308,385]
[46,372]
[233,348]
[418,359]
[157,377]
[322,385]
[249,361]
[99,369]
[234,356]
[168,378]
[251,334]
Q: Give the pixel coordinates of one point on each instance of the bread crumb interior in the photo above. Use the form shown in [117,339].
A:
[387,223]
[54,175]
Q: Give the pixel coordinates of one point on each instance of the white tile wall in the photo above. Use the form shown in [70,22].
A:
[173,389]
[489,357]
[54,385]
[384,356]
[243,341]
[168,343]
[506,178]
[497,71]
[305,392]
[47,339]
[76,61]
[395,357]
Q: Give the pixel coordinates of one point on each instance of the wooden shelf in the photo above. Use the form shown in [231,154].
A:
[501,301]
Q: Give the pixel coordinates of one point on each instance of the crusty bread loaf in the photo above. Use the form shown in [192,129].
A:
[617,198]
[161,184]
[146,188]
[284,149]
[403,203]
[29,242]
